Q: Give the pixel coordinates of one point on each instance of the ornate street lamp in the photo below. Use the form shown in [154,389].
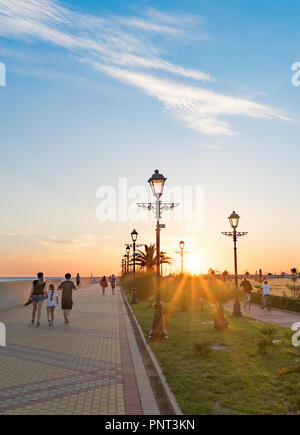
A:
[181,246]
[127,256]
[134,236]
[294,278]
[123,264]
[157,182]
[234,222]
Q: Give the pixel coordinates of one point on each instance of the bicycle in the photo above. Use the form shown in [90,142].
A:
[247,301]
[266,303]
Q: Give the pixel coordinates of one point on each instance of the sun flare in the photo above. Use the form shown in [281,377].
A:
[193,264]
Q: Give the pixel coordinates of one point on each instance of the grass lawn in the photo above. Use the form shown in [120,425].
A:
[236,380]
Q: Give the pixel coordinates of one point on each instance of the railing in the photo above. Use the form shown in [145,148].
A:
[14,293]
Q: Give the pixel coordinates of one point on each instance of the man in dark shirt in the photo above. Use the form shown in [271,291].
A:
[247,287]
[67,288]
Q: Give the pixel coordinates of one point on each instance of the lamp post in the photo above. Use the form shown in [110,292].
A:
[234,222]
[181,246]
[134,245]
[294,279]
[157,182]
[134,235]
[127,256]
[123,264]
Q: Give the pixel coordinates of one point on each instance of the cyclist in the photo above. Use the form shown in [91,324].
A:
[266,289]
[247,288]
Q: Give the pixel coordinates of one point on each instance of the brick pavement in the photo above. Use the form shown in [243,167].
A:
[91,366]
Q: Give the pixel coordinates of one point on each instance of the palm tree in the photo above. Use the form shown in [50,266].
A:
[147,259]
[164,259]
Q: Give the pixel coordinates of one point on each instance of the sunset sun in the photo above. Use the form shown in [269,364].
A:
[193,264]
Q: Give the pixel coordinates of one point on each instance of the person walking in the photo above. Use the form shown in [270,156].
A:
[113,280]
[103,284]
[37,296]
[67,288]
[78,280]
[52,302]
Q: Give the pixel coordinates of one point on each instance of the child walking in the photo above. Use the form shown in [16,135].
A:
[52,301]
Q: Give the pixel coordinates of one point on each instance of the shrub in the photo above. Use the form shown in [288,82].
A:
[282,302]
[202,348]
[262,345]
[144,284]
[217,293]
[270,332]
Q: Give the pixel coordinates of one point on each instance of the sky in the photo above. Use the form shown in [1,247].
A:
[99,94]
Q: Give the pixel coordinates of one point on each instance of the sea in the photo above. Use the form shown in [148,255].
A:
[25,278]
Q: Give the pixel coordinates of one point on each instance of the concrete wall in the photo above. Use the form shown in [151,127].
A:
[17,292]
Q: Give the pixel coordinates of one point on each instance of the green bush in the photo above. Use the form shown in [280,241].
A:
[144,284]
[270,332]
[202,348]
[282,302]
[262,345]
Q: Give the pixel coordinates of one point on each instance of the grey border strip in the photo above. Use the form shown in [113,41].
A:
[164,396]
[146,393]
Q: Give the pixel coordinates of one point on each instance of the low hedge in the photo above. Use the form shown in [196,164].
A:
[282,302]
[144,284]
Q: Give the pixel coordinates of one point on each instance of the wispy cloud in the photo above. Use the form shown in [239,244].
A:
[11,234]
[72,244]
[62,244]
[123,47]
[7,234]
[112,38]
[197,108]
[212,147]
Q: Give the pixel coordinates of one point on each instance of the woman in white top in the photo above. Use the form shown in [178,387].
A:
[52,301]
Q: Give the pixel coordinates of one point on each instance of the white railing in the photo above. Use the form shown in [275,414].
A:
[15,293]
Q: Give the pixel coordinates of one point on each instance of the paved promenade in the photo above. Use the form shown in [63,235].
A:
[278,317]
[91,366]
